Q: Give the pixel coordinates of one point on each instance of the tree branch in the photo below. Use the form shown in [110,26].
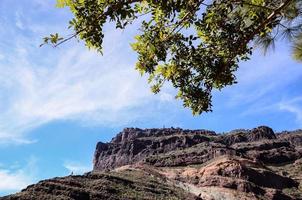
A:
[257,6]
[109,10]
[247,39]
[268,20]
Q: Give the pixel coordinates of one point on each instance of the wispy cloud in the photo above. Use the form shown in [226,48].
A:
[264,77]
[41,85]
[15,178]
[293,106]
[19,23]
[263,82]
[80,86]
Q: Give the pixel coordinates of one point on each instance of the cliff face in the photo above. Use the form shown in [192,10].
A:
[177,147]
[134,145]
[185,164]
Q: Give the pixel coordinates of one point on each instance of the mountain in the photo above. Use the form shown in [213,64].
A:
[173,163]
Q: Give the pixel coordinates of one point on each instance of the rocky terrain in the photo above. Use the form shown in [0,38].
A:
[173,163]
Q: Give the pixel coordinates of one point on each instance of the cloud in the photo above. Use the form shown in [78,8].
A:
[42,85]
[76,168]
[264,77]
[46,4]
[15,178]
[80,86]
[19,23]
[293,106]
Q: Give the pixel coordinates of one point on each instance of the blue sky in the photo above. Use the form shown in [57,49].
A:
[56,104]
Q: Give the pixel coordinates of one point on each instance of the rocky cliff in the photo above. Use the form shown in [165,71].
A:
[173,163]
[177,147]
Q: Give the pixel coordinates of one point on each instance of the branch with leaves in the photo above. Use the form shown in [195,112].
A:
[193,45]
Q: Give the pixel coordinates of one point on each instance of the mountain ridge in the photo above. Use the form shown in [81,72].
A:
[174,163]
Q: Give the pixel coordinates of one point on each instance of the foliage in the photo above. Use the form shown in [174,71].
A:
[192,44]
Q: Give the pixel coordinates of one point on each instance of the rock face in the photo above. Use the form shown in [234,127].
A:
[177,147]
[173,163]
[238,174]
[251,172]
[134,145]
[256,134]
[294,137]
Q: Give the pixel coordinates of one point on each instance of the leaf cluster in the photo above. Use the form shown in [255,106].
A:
[194,45]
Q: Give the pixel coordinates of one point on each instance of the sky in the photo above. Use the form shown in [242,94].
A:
[57,103]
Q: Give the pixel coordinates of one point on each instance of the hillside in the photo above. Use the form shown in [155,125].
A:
[185,164]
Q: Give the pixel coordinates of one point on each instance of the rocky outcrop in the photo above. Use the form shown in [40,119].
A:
[134,145]
[269,151]
[294,137]
[177,147]
[196,154]
[237,174]
[256,134]
[241,174]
